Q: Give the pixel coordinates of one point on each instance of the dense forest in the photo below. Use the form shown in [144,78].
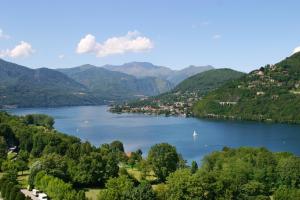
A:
[65,167]
[24,87]
[199,84]
[271,93]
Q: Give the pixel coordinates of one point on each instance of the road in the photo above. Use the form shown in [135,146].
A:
[28,193]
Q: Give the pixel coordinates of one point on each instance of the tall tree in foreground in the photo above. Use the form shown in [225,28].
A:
[164,159]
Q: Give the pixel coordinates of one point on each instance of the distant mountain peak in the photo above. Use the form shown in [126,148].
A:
[147,69]
[139,63]
[86,66]
[195,66]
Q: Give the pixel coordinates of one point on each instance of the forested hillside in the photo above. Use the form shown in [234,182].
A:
[24,87]
[180,99]
[271,93]
[113,85]
[200,84]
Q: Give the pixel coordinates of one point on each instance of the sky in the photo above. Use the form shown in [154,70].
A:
[239,34]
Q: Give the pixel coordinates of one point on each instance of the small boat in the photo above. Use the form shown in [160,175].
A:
[195,133]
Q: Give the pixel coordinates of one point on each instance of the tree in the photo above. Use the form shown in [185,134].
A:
[39,120]
[56,188]
[134,158]
[55,165]
[119,188]
[11,176]
[252,188]
[73,151]
[194,167]
[111,166]
[163,159]
[3,148]
[143,191]
[9,165]
[8,190]
[90,170]
[20,196]
[289,171]
[284,193]
[117,146]
[144,167]
[161,191]
[21,165]
[139,151]
[181,163]
[35,168]
[182,184]
[39,144]
[29,119]
[3,186]
[23,155]
[13,193]
[7,133]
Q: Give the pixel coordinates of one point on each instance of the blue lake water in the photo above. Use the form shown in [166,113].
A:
[98,126]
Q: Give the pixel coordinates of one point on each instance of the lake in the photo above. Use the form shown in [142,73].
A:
[96,125]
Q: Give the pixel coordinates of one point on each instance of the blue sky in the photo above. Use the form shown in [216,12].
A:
[239,34]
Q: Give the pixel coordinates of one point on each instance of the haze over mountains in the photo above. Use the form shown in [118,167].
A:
[116,85]
[85,85]
[145,69]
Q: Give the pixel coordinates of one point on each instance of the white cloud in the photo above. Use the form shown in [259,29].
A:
[131,42]
[3,35]
[87,44]
[23,49]
[61,56]
[296,50]
[216,36]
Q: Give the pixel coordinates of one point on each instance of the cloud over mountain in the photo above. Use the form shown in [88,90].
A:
[23,49]
[133,41]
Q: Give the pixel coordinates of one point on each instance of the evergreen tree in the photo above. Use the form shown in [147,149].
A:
[194,167]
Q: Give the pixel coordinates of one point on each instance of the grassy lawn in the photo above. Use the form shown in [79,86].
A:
[11,155]
[92,193]
[23,178]
[138,175]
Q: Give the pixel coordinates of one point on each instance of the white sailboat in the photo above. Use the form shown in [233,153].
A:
[195,134]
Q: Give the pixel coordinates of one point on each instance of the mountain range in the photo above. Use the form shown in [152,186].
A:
[21,86]
[24,87]
[113,85]
[145,69]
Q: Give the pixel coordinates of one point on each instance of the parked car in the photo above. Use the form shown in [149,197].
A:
[35,192]
[43,196]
